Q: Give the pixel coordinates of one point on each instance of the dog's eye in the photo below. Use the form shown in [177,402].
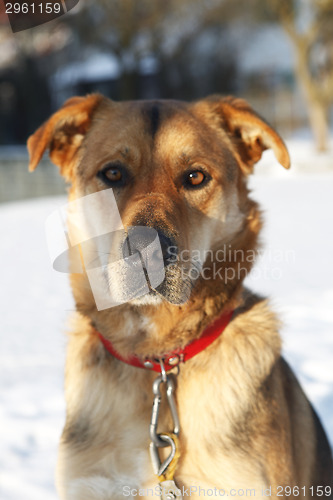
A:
[195,179]
[113,175]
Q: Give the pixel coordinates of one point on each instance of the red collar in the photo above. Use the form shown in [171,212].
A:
[172,359]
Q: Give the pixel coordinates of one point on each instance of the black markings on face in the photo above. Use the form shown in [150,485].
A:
[155,118]
[152,114]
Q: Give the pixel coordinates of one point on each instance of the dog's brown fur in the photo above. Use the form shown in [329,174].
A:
[245,422]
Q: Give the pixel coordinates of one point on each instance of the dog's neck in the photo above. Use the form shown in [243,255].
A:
[151,331]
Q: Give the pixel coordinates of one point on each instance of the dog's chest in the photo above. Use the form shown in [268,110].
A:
[208,458]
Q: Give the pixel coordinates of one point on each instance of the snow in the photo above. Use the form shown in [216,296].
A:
[34,305]
[295,271]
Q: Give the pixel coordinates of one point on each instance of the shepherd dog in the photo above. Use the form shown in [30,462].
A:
[178,173]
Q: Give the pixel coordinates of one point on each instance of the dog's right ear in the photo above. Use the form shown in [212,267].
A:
[63,133]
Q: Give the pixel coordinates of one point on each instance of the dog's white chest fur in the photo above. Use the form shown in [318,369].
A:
[119,463]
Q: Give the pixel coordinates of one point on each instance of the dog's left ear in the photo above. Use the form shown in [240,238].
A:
[250,134]
[63,133]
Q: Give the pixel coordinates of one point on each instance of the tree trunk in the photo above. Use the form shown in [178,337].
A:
[318,116]
[317,108]
[128,86]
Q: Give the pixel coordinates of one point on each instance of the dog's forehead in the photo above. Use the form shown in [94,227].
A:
[158,120]
[147,116]
[152,135]
[157,114]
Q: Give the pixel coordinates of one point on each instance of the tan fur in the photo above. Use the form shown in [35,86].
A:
[245,422]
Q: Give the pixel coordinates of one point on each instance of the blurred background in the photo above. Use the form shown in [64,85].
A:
[278,54]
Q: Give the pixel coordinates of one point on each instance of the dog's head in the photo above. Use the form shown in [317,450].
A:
[177,169]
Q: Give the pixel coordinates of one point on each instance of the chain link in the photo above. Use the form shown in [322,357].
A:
[163,440]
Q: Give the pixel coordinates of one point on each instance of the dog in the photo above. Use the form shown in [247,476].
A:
[245,426]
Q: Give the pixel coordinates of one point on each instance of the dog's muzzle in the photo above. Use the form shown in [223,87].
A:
[153,246]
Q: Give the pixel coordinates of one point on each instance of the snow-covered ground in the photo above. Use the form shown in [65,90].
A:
[295,271]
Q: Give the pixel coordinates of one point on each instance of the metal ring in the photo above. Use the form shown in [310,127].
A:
[163,372]
[160,468]
[170,386]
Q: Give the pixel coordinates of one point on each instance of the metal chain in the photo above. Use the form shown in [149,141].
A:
[162,440]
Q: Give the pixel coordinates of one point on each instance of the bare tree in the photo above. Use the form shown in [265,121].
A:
[309,23]
[133,30]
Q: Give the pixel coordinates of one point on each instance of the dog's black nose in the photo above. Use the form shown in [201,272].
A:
[168,247]
[150,243]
